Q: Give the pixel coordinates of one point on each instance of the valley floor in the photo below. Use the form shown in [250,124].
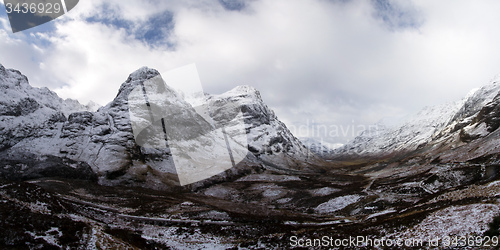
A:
[375,204]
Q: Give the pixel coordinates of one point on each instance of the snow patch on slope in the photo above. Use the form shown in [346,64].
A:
[337,204]
[467,220]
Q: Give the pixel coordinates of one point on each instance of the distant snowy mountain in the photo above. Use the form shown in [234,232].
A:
[429,127]
[319,147]
[40,129]
[417,130]
[92,106]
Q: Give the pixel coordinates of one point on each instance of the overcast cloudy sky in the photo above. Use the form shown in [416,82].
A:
[343,64]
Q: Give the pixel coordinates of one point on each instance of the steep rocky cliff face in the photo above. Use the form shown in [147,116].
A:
[38,126]
[268,138]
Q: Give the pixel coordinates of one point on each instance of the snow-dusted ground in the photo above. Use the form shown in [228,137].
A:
[466,220]
[172,237]
[324,191]
[269,177]
[388,211]
[337,204]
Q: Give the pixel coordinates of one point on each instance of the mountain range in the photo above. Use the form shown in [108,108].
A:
[40,129]
[458,131]
[73,176]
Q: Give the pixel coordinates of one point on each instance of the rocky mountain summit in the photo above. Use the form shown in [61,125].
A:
[38,128]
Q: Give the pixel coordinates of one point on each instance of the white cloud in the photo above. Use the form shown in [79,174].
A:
[5,23]
[95,60]
[331,62]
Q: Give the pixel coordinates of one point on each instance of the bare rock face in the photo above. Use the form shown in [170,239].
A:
[36,124]
[268,138]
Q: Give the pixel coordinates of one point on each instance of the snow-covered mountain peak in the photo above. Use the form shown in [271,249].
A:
[244,89]
[477,98]
[142,73]
[17,94]
[416,130]
[318,146]
[241,91]
[430,123]
[92,106]
[12,78]
[135,79]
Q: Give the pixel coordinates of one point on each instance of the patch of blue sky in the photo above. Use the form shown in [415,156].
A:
[235,5]
[109,17]
[396,16]
[29,36]
[154,31]
[157,29]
